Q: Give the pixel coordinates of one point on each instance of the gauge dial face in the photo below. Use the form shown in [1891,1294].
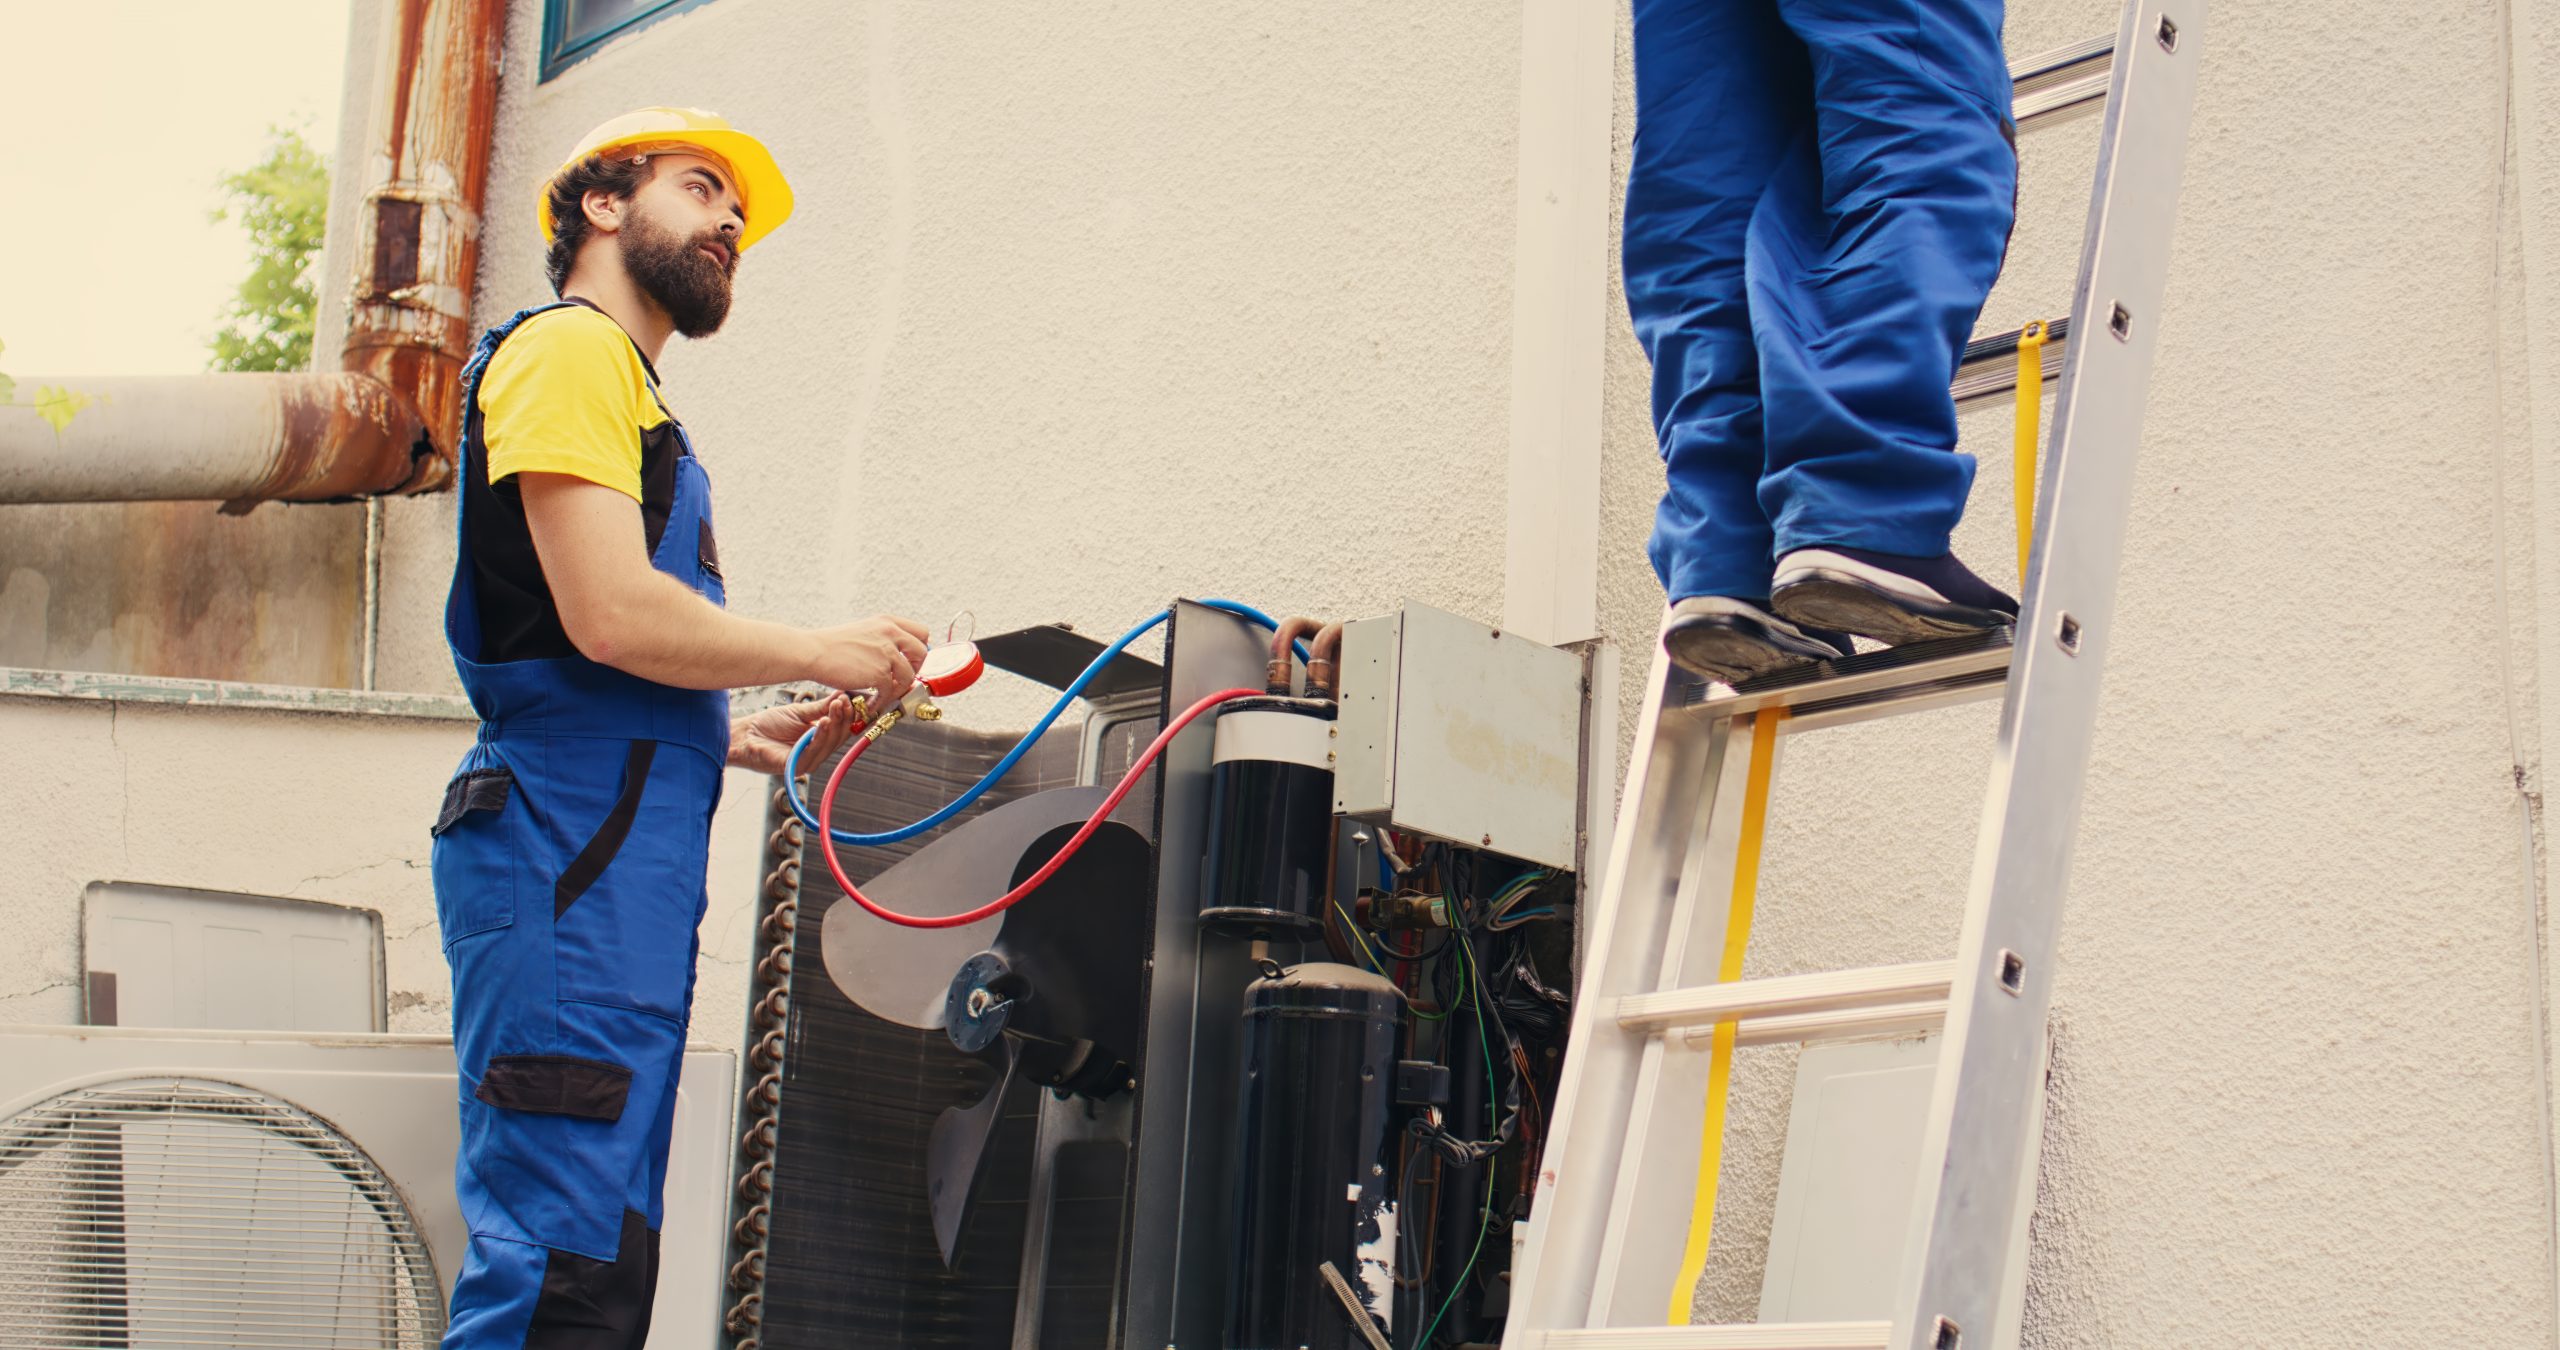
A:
[950,668]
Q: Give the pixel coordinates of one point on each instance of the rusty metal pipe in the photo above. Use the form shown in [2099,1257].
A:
[240,439]
[388,422]
[427,164]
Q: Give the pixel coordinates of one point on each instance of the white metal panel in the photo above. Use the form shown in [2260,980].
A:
[1844,1191]
[175,957]
[1841,1234]
[1488,738]
[1364,722]
[693,1239]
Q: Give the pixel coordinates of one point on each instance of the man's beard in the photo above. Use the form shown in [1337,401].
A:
[686,283]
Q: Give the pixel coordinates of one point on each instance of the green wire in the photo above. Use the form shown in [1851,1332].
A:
[1356,936]
[1443,1014]
[1484,1042]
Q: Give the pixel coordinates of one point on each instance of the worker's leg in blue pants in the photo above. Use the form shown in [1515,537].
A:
[571,901]
[1820,197]
[1723,95]
[1868,264]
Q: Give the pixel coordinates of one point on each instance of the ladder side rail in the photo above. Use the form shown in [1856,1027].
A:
[1674,762]
[1980,1112]
[1649,1231]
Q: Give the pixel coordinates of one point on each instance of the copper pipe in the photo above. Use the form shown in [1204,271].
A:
[1321,656]
[387,421]
[1275,676]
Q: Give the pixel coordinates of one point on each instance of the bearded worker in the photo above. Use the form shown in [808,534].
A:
[587,625]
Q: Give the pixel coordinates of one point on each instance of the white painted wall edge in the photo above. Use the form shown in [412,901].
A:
[2532,39]
[1560,292]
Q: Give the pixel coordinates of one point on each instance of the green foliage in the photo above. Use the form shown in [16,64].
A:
[283,202]
[56,405]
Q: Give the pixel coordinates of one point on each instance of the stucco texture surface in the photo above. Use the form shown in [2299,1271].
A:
[1081,308]
[1090,305]
[306,806]
[2294,1098]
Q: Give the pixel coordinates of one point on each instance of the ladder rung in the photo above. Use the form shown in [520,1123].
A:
[1787,995]
[1988,371]
[1742,1336]
[1846,1024]
[2060,82]
[1951,670]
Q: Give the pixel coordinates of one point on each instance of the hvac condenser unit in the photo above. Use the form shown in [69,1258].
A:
[278,1190]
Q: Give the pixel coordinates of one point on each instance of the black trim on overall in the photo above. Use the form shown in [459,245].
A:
[607,840]
[588,1304]
[477,790]
[519,618]
[555,1085]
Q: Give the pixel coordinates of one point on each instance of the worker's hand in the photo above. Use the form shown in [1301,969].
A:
[763,741]
[880,653]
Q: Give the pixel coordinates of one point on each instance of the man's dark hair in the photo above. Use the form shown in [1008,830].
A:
[622,174]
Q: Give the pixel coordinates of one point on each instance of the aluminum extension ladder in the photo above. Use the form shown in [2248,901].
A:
[1603,1244]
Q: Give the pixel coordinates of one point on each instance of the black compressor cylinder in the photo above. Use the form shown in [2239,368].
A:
[1270,816]
[1313,1159]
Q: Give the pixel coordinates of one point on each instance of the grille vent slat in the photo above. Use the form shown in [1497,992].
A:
[185,1212]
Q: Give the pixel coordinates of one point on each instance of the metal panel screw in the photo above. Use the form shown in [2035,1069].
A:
[1488,839]
[2013,973]
[2121,324]
[2067,633]
[2168,34]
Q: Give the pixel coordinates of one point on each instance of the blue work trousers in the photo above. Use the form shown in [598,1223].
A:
[1820,198]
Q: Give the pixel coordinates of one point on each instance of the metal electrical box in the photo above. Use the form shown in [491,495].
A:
[1461,732]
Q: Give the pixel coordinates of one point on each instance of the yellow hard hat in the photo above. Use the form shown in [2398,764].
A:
[763,193]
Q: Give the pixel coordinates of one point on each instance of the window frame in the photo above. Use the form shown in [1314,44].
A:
[558,54]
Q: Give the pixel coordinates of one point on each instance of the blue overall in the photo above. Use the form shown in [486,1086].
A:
[1819,200]
[569,878]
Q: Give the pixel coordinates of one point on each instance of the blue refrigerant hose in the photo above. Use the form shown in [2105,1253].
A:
[791,768]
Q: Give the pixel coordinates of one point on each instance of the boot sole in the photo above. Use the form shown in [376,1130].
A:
[1820,597]
[1727,651]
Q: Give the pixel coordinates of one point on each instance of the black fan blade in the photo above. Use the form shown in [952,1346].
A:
[956,1151]
[901,973]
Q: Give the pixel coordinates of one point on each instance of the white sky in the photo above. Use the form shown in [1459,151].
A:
[121,116]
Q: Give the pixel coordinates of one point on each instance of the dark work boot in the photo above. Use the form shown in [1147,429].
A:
[1732,640]
[1886,596]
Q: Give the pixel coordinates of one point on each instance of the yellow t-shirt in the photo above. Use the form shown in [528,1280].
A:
[568,393]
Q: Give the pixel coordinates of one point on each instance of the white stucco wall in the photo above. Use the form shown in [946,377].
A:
[1079,308]
[1090,305]
[2295,1098]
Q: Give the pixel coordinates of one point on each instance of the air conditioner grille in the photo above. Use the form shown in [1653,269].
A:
[183,1212]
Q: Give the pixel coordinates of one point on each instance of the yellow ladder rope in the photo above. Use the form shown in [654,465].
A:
[2030,427]
[1737,938]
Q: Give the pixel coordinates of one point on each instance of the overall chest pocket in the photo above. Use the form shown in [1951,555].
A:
[473,861]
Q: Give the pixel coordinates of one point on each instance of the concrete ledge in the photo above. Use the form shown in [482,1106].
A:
[16,682]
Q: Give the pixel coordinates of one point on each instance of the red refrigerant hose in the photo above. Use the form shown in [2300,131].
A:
[827,811]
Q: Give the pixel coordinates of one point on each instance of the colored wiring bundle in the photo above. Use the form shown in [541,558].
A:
[1478,972]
